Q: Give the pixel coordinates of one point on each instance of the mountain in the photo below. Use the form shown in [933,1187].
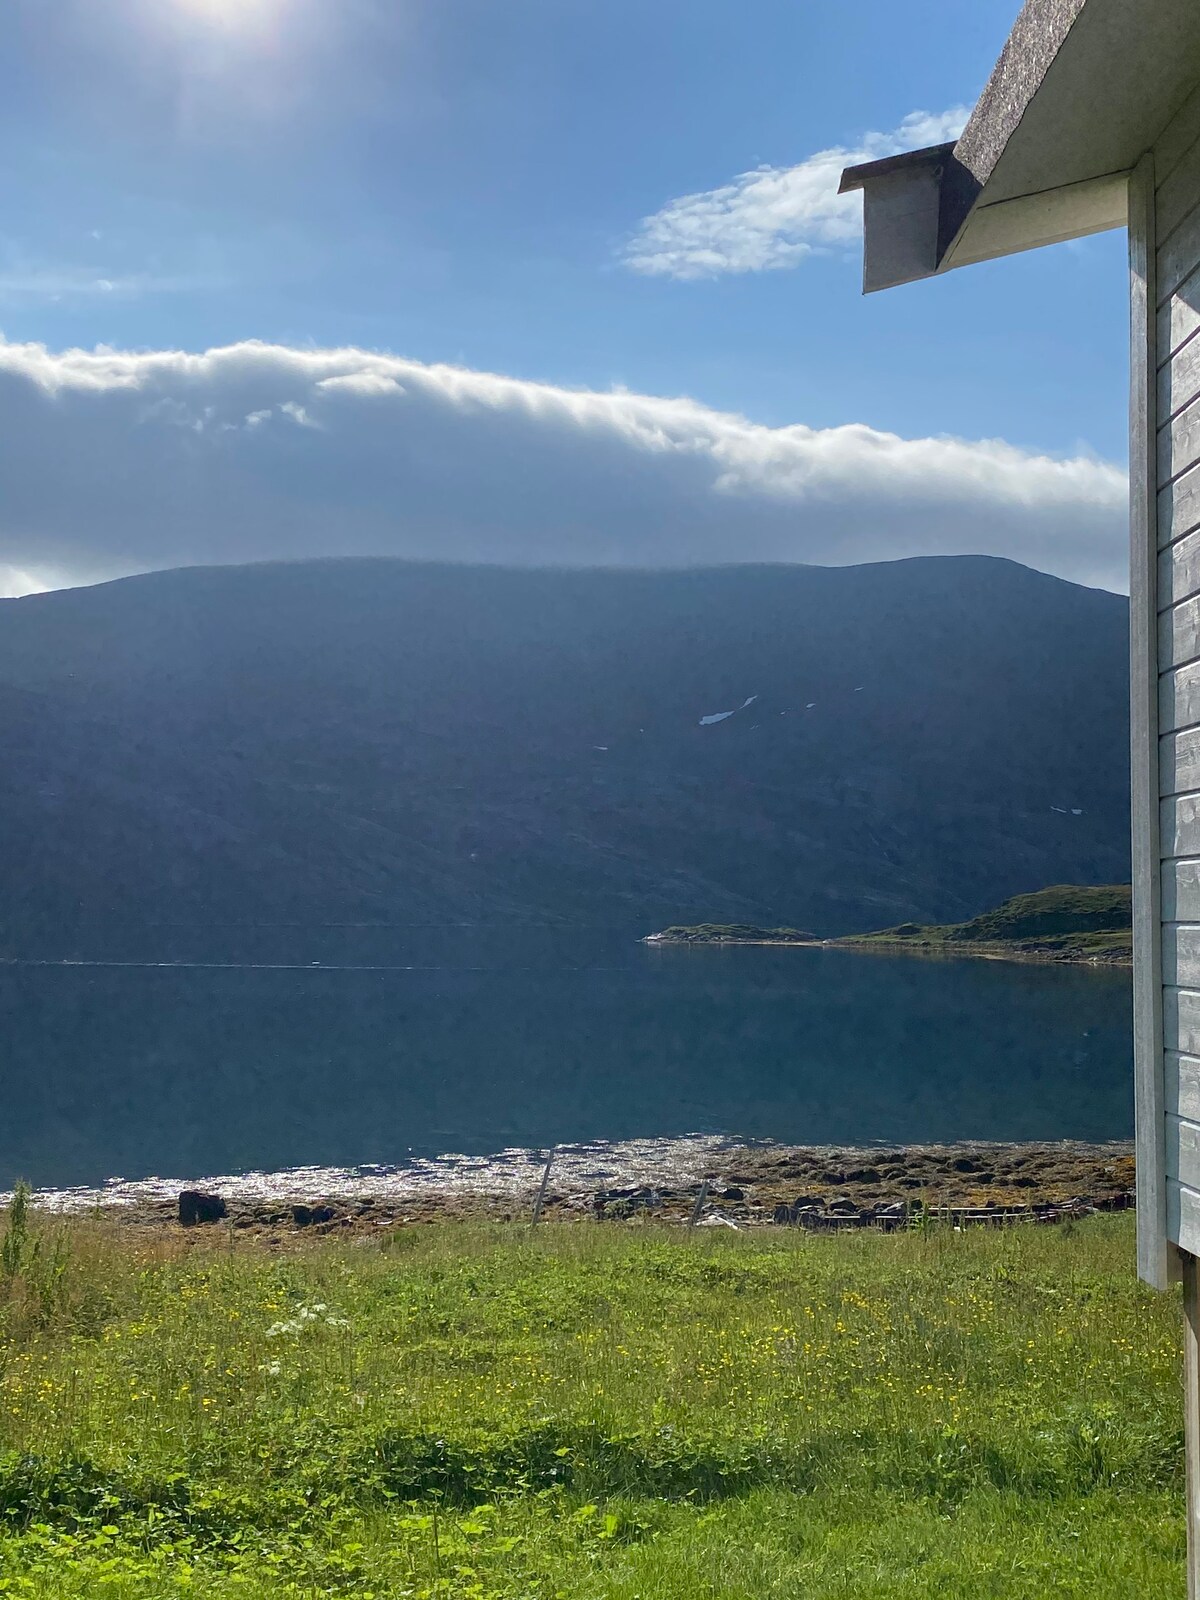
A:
[378,741]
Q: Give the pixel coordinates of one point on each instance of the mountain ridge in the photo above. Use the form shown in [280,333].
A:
[366,739]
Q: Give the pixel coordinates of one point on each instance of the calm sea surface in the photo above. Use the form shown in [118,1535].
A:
[426,1040]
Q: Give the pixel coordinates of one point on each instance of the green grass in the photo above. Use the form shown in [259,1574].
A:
[594,1412]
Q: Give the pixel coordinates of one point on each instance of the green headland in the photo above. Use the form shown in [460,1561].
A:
[1068,922]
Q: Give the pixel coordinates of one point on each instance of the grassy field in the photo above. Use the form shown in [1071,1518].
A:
[588,1411]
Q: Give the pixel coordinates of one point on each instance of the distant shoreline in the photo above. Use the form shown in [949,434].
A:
[1079,924]
[879,944]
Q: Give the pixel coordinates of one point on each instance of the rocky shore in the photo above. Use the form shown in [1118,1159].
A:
[703,1181]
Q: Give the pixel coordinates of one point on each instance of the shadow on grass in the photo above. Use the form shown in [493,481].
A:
[321,1473]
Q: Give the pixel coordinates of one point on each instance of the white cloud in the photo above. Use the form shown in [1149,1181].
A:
[774,216]
[115,461]
[14,582]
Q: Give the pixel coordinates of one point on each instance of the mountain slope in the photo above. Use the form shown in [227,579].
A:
[833,748]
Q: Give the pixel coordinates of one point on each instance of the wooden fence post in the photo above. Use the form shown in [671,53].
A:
[541,1194]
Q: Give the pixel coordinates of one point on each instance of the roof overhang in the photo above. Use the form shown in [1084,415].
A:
[1080,92]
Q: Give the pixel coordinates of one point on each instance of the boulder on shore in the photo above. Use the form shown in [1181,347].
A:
[196,1207]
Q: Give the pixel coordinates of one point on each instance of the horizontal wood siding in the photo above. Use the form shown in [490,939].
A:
[1182,1077]
[1180,892]
[1179,571]
[1181,1020]
[1179,697]
[1179,507]
[1179,763]
[1179,634]
[1183,1150]
[1180,254]
[1179,316]
[1179,380]
[1177,180]
[1179,442]
[1178,825]
[1172,402]
[1183,1216]
[1181,955]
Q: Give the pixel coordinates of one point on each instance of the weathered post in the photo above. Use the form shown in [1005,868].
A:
[541,1194]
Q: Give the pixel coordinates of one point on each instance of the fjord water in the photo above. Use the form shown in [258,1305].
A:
[424,1040]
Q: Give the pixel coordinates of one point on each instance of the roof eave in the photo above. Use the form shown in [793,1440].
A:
[913,208]
[1081,90]
[924,214]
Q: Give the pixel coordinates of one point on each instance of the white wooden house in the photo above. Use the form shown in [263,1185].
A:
[1091,120]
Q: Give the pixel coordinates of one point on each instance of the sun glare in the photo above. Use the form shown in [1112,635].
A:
[232,14]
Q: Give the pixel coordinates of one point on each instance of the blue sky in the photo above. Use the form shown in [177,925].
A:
[461,182]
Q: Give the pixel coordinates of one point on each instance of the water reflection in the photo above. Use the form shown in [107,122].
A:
[434,1039]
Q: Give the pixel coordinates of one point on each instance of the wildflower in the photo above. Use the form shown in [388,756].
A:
[307,1316]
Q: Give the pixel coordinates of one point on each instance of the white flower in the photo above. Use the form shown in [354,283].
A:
[308,1316]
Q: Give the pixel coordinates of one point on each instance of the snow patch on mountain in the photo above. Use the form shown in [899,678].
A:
[720,716]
